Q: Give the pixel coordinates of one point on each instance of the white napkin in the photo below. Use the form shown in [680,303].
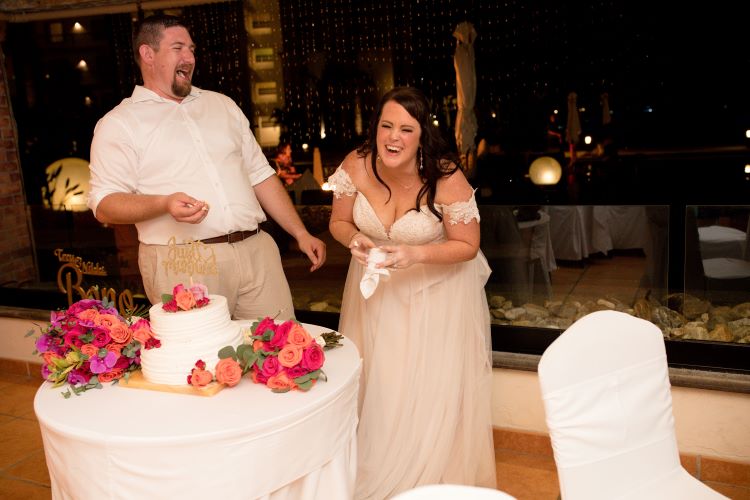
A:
[373,275]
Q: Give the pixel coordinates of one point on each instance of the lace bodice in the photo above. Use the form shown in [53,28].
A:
[412,228]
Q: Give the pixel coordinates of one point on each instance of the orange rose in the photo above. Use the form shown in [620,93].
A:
[49,356]
[257,345]
[89,350]
[281,381]
[89,315]
[120,333]
[142,334]
[185,299]
[228,371]
[106,377]
[290,355]
[106,320]
[199,378]
[115,348]
[298,336]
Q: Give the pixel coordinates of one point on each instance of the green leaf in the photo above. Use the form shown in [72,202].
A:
[228,352]
[285,389]
[30,333]
[66,394]
[305,386]
[165,297]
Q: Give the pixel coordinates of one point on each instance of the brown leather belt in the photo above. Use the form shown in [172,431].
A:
[234,237]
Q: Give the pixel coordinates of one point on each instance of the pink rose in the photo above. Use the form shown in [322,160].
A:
[265,324]
[298,336]
[258,376]
[313,357]
[177,289]
[290,355]
[199,291]
[72,338]
[271,366]
[101,338]
[184,300]
[297,371]
[228,371]
[279,337]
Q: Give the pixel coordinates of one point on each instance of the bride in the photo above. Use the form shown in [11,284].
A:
[424,332]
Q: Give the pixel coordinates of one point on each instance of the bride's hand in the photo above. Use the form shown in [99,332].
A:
[400,256]
[360,245]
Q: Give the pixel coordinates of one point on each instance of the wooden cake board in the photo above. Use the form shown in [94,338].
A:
[138,381]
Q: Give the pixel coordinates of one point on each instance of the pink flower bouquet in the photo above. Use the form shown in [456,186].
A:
[89,344]
[282,356]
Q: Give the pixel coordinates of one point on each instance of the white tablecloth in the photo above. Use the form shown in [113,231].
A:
[245,442]
[722,241]
[580,231]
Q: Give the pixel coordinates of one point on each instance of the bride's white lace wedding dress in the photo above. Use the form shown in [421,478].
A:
[425,413]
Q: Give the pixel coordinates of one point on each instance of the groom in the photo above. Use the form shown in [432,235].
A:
[182,165]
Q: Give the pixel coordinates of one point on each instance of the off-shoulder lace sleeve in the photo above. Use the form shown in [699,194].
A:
[341,183]
[462,211]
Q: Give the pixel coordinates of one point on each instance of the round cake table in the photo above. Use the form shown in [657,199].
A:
[245,442]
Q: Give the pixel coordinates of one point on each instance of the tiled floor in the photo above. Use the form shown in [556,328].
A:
[23,471]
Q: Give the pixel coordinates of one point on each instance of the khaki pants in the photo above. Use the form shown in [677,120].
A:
[249,274]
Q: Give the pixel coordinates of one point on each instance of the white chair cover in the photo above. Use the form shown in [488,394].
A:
[606,391]
[452,492]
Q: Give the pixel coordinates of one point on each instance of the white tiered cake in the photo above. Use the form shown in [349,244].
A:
[186,337]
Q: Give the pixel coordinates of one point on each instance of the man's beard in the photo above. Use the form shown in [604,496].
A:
[181,89]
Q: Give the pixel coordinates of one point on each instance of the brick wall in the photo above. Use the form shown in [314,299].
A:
[16,253]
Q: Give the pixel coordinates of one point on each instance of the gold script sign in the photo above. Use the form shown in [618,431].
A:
[70,277]
[191,258]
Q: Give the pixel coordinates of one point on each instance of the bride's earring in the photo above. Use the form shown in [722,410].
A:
[421,159]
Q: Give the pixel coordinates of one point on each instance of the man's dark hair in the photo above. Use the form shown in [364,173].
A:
[150,30]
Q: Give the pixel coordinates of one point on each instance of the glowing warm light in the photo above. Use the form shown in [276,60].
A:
[555,111]
[82,65]
[87,101]
[435,122]
[78,28]
[322,129]
[494,115]
[545,171]
[747,169]
[587,139]
[326,187]
[747,133]
[582,109]
[305,147]
[67,185]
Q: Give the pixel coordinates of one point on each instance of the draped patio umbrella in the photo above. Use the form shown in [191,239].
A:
[466,87]
[573,128]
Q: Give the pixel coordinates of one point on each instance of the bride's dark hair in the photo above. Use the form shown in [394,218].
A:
[437,159]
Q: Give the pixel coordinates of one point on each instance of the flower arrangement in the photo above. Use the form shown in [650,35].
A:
[282,356]
[90,343]
[184,299]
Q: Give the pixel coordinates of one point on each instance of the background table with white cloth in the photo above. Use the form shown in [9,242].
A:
[246,442]
[583,230]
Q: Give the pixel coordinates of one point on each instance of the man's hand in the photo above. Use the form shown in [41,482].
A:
[314,248]
[185,208]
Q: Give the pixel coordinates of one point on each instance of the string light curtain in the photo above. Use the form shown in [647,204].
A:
[218,29]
